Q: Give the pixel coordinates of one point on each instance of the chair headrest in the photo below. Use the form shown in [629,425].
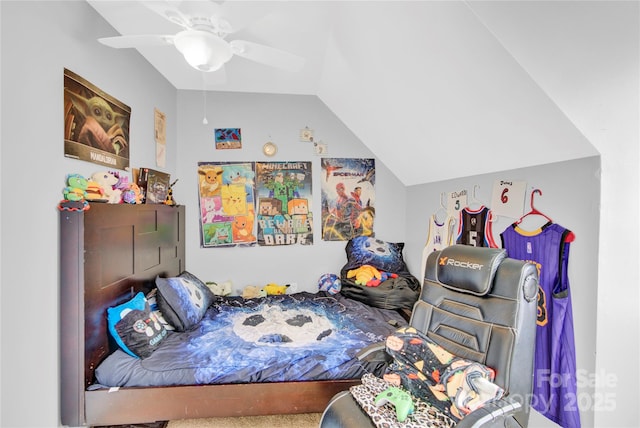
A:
[468,269]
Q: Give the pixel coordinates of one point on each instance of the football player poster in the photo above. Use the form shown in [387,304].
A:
[284,197]
[348,198]
[226,195]
[96,125]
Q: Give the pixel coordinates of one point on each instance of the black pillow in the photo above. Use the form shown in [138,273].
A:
[135,328]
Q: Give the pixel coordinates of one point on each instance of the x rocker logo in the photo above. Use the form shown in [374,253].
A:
[446,261]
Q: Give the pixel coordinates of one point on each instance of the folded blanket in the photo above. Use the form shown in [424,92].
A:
[454,385]
[424,415]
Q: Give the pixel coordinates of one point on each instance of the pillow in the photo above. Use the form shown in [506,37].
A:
[135,328]
[469,269]
[155,309]
[366,250]
[183,300]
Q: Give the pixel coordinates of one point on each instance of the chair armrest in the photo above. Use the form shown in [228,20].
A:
[492,414]
[374,352]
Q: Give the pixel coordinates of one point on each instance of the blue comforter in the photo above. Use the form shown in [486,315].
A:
[295,337]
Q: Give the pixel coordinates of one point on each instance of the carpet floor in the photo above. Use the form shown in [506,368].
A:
[306,420]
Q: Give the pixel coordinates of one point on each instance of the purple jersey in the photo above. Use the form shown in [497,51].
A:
[554,389]
[474,228]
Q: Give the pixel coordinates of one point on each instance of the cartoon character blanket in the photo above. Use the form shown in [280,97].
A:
[302,336]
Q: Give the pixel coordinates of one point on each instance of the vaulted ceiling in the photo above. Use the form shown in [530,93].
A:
[436,89]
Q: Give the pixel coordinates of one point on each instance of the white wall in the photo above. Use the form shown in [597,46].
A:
[40,39]
[279,118]
[570,196]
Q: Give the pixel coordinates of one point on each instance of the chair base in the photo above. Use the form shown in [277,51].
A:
[344,412]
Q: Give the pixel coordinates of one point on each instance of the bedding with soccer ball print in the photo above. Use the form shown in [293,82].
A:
[300,336]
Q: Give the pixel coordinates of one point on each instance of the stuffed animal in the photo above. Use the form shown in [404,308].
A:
[76,189]
[169,199]
[95,192]
[253,291]
[383,277]
[364,274]
[274,289]
[221,289]
[132,195]
[107,180]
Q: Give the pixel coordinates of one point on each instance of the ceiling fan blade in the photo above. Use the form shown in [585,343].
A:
[137,41]
[241,14]
[187,14]
[168,10]
[267,55]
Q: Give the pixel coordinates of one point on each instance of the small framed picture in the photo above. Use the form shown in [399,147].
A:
[306,134]
[228,138]
[320,148]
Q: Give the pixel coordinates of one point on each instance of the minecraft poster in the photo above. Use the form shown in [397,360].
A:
[348,198]
[284,203]
[226,194]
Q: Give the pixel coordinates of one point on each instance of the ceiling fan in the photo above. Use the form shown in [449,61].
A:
[205,27]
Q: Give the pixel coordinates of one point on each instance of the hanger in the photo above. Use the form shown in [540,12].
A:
[442,209]
[534,211]
[475,200]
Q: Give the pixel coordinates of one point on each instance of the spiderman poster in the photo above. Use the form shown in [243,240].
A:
[348,198]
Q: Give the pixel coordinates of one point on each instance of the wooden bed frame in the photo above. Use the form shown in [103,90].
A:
[107,254]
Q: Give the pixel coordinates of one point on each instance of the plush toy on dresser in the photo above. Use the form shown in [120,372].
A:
[107,180]
[75,194]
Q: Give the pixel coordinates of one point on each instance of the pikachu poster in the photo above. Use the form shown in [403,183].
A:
[226,195]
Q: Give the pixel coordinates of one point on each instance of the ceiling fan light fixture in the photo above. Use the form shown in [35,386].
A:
[203,50]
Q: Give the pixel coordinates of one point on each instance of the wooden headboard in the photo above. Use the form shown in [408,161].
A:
[107,254]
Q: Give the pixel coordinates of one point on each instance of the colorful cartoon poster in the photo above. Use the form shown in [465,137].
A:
[348,198]
[226,194]
[284,203]
[228,138]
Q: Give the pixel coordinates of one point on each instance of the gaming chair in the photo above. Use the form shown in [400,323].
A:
[480,305]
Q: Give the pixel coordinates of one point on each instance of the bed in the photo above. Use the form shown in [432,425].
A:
[111,254]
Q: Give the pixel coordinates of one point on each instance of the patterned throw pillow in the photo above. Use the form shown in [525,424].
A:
[183,300]
[135,328]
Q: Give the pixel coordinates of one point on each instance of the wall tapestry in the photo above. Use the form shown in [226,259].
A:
[348,198]
[226,195]
[96,125]
[284,203]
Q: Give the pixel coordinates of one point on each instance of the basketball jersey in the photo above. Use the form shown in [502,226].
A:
[474,227]
[555,390]
[439,236]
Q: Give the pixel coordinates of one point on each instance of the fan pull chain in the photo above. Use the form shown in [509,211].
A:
[204,97]
[204,102]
